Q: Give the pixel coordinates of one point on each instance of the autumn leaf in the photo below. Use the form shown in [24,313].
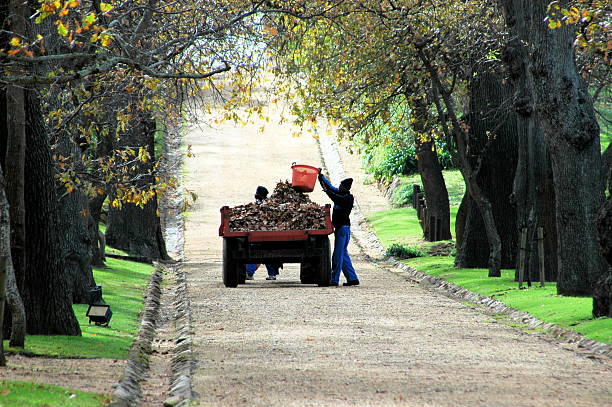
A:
[61,28]
[105,7]
[106,39]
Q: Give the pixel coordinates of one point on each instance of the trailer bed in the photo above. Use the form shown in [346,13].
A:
[274,235]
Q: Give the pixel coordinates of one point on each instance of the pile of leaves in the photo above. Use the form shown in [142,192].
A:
[285,209]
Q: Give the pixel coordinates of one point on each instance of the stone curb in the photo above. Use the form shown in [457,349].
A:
[498,307]
[128,390]
[365,238]
[183,361]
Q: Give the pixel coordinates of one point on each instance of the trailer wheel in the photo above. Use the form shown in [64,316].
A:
[241,273]
[309,271]
[324,263]
[230,265]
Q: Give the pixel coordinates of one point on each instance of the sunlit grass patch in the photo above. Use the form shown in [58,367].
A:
[23,394]
[404,227]
[123,284]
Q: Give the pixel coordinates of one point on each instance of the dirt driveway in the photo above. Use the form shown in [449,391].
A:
[388,342]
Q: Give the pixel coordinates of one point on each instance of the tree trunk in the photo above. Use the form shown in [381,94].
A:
[469,173]
[3,122]
[15,172]
[15,162]
[602,294]
[13,129]
[16,314]
[45,290]
[533,192]
[493,152]
[5,259]
[98,242]
[606,171]
[75,221]
[564,110]
[131,228]
[438,208]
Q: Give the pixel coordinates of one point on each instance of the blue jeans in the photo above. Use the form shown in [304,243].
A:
[272,269]
[341,261]
[250,269]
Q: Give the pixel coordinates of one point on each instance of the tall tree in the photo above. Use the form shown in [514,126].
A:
[533,191]
[564,110]
[45,276]
[470,169]
[16,150]
[493,150]
[135,227]
[5,258]
[12,146]
[75,224]
[430,170]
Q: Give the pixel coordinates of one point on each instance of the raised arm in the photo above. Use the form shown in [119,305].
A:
[325,184]
[343,200]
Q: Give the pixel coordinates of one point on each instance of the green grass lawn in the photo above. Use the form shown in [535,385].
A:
[605,109]
[405,228]
[123,285]
[605,137]
[402,226]
[108,249]
[23,394]
[454,184]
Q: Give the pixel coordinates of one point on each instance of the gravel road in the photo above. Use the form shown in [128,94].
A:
[388,342]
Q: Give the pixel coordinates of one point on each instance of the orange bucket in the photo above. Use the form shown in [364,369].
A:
[304,177]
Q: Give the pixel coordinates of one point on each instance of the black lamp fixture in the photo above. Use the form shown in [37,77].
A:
[98,312]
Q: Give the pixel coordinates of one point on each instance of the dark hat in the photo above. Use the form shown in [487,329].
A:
[261,191]
[347,183]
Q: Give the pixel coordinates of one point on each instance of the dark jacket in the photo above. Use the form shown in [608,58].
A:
[343,203]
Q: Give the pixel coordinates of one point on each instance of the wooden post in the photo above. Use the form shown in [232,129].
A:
[522,249]
[416,190]
[541,255]
[431,235]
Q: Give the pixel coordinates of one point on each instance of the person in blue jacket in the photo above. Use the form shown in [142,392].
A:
[261,193]
[343,204]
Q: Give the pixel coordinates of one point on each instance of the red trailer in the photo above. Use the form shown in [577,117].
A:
[310,248]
